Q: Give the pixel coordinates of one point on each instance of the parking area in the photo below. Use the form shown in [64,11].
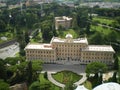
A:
[9,51]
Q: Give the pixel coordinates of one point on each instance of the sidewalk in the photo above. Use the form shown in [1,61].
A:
[82,80]
[50,78]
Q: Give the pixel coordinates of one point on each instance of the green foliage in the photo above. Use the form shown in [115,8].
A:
[97,38]
[2,70]
[14,60]
[119,71]
[69,86]
[116,61]
[35,86]
[88,85]
[26,37]
[46,27]
[107,12]
[36,65]
[24,71]
[112,36]
[45,75]
[46,84]
[82,17]
[2,26]
[4,85]
[29,72]
[95,68]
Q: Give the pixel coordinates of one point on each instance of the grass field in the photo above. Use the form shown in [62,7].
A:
[104,20]
[101,29]
[66,76]
[37,38]
[88,85]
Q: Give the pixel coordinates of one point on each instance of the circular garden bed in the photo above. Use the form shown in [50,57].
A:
[65,77]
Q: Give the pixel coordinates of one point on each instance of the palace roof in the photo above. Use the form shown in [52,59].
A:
[60,40]
[105,48]
[39,46]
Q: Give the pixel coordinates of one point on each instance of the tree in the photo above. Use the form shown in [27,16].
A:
[88,27]
[2,26]
[2,70]
[82,17]
[35,86]
[95,68]
[74,22]
[29,72]
[97,38]
[119,71]
[113,78]
[4,85]
[26,37]
[112,36]
[69,86]
[116,61]
[47,31]
[45,75]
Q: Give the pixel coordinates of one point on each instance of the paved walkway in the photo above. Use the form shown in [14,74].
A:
[50,78]
[82,80]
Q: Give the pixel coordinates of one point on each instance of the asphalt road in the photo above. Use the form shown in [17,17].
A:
[58,67]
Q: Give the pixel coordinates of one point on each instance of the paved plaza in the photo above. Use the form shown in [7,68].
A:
[59,67]
[9,51]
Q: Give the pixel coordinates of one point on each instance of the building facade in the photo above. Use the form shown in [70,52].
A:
[70,51]
[63,21]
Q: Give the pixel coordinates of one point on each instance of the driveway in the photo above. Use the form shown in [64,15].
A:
[59,67]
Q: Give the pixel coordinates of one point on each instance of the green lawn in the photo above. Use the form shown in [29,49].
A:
[101,29]
[103,20]
[88,85]
[66,76]
[62,33]
[8,35]
[44,81]
[37,38]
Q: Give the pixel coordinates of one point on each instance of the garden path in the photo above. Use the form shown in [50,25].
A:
[50,78]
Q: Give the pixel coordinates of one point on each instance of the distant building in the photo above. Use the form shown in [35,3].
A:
[14,6]
[2,4]
[43,1]
[102,4]
[63,21]
[69,50]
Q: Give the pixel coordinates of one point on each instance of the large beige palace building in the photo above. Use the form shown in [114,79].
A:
[69,50]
